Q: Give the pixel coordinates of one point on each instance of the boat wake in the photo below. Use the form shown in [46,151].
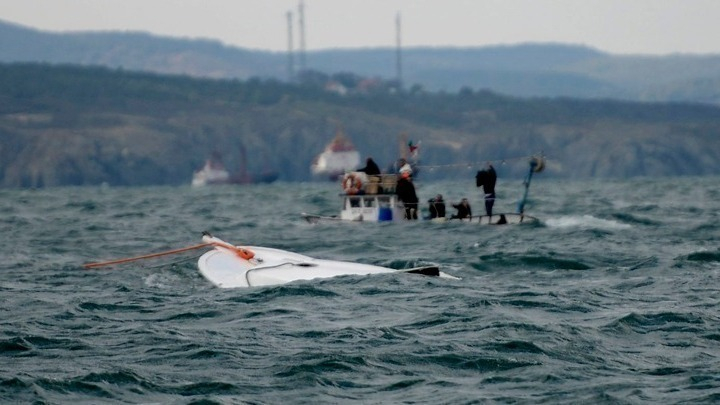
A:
[585,222]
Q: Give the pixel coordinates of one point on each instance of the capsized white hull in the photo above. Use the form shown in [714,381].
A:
[270,266]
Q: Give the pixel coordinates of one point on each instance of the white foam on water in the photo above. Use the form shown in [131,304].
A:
[585,222]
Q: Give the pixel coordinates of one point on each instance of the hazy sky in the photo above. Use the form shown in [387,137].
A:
[616,26]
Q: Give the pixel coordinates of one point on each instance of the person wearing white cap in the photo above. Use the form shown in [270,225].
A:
[404,167]
[405,191]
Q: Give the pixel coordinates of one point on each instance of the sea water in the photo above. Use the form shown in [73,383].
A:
[612,298]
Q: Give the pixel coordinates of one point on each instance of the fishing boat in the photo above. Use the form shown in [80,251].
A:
[339,157]
[366,199]
[373,199]
[228,266]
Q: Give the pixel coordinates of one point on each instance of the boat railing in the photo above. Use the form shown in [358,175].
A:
[381,184]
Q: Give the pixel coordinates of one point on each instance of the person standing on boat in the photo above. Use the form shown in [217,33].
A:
[487,179]
[405,191]
[371,168]
[404,167]
[437,207]
[463,209]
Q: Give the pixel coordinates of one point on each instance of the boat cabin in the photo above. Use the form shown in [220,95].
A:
[372,208]
[371,199]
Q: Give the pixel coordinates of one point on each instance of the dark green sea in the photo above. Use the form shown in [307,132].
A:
[613,298]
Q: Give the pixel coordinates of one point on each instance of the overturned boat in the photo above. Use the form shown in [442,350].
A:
[229,266]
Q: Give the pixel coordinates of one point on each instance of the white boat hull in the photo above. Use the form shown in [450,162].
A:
[273,266]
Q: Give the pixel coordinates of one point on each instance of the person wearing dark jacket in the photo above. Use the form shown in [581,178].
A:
[487,179]
[463,209]
[371,168]
[437,207]
[405,191]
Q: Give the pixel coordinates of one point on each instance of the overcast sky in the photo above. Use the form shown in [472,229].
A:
[616,26]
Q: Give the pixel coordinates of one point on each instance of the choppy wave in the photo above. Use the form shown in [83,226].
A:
[610,300]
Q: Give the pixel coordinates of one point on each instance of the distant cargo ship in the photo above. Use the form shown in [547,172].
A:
[339,157]
[214,172]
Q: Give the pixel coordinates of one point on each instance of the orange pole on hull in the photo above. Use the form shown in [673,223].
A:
[243,253]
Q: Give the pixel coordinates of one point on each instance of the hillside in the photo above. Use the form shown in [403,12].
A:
[68,125]
[531,70]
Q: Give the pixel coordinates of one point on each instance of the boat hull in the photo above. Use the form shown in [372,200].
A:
[314,219]
[496,219]
[273,267]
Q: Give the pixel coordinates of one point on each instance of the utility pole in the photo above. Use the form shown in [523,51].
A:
[301,17]
[398,56]
[290,61]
